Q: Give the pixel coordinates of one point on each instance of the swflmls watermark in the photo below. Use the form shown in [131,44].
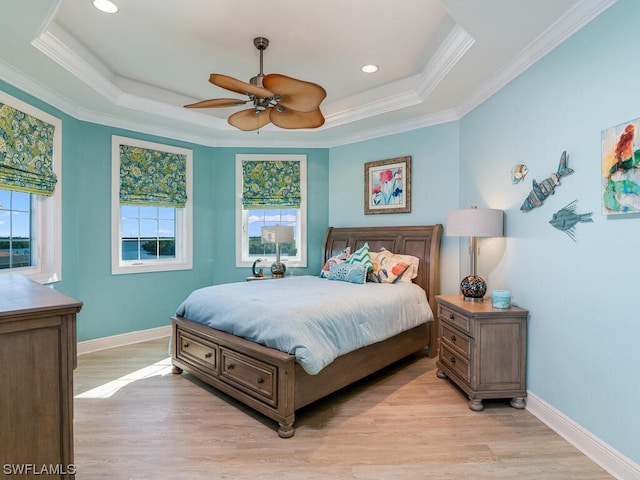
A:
[19,469]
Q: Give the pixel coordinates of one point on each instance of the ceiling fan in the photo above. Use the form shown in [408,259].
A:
[284,101]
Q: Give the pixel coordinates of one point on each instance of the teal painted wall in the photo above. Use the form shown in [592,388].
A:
[583,329]
[115,304]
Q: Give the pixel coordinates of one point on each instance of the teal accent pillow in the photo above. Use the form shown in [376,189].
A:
[344,272]
[361,256]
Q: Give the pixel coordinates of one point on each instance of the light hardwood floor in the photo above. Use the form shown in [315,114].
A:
[136,420]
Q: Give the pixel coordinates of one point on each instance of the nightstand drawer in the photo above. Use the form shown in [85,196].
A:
[454,339]
[257,378]
[454,318]
[456,362]
[197,351]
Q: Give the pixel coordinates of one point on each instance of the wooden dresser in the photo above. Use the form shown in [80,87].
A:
[38,355]
[483,349]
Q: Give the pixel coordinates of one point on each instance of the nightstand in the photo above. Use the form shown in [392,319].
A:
[483,349]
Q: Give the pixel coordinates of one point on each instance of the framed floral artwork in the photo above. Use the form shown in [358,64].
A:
[387,186]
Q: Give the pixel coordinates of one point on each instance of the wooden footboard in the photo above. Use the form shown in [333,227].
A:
[270,381]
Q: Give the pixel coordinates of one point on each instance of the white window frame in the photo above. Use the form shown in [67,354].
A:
[46,210]
[242,233]
[184,216]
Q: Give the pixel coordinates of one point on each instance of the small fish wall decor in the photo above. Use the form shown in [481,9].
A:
[518,172]
[541,190]
[566,219]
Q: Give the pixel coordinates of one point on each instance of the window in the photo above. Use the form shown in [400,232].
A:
[265,210]
[15,229]
[151,207]
[30,194]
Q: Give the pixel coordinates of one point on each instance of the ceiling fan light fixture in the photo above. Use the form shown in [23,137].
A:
[370,68]
[106,6]
[286,102]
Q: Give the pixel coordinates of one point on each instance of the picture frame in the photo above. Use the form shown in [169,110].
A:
[387,186]
[620,169]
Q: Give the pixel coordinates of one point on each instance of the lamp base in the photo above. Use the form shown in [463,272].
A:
[278,269]
[473,288]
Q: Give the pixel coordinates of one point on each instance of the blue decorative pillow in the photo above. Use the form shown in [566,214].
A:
[361,256]
[344,272]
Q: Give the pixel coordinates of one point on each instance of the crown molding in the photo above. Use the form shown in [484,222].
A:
[457,43]
[576,18]
[52,42]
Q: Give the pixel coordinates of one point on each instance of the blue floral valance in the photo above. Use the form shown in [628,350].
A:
[151,177]
[270,183]
[26,152]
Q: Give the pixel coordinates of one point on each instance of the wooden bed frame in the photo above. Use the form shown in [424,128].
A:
[270,381]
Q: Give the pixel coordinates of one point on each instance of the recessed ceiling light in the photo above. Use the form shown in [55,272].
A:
[106,6]
[370,68]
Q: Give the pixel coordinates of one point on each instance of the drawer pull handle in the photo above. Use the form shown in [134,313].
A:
[186,345]
[452,316]
[453,338]
[231,366]
[453,359]
[208,355]
[260,380]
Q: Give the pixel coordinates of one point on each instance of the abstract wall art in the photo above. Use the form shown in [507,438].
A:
[620,169]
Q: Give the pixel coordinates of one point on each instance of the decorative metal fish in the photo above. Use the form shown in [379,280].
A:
[518,173]
[566,219]
[540,191]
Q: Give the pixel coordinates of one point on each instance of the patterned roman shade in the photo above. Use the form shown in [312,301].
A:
[270,183]
[26,152]
[152,178]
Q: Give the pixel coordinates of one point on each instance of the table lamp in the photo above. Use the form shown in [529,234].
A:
[474,222]
[277,234]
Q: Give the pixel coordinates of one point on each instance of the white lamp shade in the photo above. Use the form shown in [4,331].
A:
[475,222]
[277,234]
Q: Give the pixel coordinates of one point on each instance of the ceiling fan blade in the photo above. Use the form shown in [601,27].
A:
[292,119]
[217,103]
[238,86]
[295,94]
[248,119]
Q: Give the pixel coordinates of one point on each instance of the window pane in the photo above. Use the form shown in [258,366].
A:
[5,199]
[145,235]
[15,229]
[21,224]
[167,213]
[130,228]
[166,229]
[148,212]
[21,201]
[129,211]
[148,228]
[256,219]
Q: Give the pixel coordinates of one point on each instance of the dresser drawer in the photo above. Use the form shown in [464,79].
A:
[456,362]
[456,340]
[454,318]
[198,351]
[256,378]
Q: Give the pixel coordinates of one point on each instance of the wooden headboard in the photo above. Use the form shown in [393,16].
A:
[420,241]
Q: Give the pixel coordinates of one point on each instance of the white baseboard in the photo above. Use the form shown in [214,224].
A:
[97,344]
[601,453]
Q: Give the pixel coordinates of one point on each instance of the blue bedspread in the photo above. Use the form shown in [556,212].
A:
[312,318]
